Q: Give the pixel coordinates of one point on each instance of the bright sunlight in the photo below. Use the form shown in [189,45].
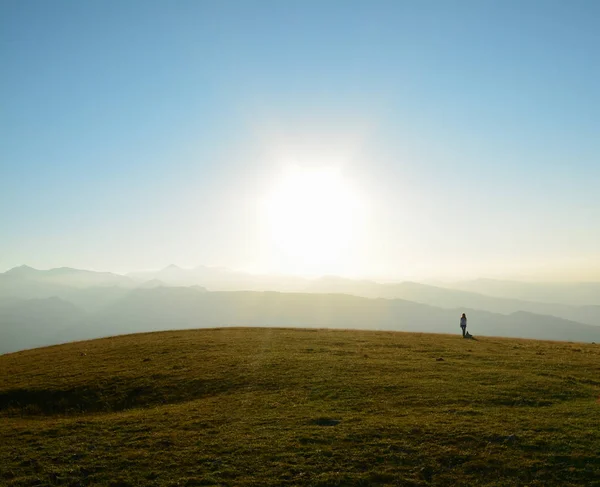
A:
[312,218]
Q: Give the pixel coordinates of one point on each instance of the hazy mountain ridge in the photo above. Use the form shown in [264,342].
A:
[78,312]
[219,279]
[454,298]
[68,276]
[165,308]
[35,322]
[574,294]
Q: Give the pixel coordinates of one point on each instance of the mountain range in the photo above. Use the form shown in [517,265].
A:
[43,307]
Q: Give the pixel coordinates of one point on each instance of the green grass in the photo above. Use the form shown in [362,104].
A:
[274,407]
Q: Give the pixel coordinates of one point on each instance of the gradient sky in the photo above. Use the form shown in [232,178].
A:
[135,134]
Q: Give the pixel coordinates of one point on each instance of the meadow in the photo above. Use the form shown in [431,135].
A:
[307,407]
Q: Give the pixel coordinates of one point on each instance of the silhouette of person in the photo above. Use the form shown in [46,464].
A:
[463,323]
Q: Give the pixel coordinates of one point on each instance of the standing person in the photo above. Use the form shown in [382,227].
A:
[463,323]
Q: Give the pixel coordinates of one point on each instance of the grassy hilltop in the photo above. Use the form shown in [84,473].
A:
[300,407]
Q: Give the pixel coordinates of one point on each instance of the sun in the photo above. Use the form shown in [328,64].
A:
[312,217]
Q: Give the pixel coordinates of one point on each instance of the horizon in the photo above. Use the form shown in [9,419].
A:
[374,279]
[389,141]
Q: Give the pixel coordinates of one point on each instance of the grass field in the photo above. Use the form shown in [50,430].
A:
[301,407]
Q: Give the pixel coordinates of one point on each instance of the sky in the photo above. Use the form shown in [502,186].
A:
[425,139]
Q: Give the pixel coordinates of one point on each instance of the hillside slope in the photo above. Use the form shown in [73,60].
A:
[300,407]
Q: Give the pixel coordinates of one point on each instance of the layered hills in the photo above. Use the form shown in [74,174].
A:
[60,305]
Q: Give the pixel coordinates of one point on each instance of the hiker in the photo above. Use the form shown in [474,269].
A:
[463,324]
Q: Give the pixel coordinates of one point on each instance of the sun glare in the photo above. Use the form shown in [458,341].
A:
[312,218]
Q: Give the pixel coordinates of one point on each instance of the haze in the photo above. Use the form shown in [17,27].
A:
[398,140]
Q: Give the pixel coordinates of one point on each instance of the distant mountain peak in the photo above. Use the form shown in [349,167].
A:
[172,267]
[65,270]
[21,270]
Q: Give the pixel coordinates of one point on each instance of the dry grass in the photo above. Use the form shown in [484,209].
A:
[300,407]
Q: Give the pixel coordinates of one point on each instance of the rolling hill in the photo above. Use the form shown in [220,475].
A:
[272,407]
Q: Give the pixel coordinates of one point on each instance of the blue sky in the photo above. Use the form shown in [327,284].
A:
[140,133]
